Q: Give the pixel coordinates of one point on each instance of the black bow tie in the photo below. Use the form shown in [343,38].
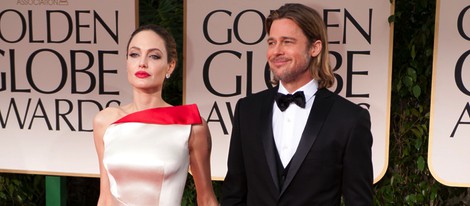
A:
[283,100]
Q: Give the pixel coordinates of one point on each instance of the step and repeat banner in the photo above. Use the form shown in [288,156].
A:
[449,133]
[225,60]
[61,61]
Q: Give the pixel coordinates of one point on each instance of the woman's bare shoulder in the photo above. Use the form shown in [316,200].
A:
[200,130]
[107,116]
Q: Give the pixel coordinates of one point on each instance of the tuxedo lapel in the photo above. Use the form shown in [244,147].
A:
[320,109]
[267,134]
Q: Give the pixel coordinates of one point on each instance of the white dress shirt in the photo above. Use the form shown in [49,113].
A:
[289,125]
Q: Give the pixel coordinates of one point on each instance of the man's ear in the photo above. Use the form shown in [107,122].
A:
[316,48]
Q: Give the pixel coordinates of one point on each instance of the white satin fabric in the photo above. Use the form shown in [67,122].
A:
[147,164]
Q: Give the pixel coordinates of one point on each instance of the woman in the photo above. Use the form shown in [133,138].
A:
[145,147]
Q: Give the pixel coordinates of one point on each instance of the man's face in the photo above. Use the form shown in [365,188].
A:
[289,53]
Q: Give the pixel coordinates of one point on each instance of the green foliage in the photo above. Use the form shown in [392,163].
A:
[26,190]
[408,180]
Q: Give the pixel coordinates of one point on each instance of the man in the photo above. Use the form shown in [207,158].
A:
[318,153]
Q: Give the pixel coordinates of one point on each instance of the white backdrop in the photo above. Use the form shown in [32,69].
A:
[449,135]
[61,61]
[225,49]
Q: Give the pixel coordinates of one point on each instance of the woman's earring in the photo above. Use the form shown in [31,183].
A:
[167,76]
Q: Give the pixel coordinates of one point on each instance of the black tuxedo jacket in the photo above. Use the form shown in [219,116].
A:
[333,159]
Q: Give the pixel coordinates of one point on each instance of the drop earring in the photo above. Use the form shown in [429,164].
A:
[167,76]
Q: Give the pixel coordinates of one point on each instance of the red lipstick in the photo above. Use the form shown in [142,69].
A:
[142,74]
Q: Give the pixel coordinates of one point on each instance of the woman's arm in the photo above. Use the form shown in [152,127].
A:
[199,150]
[100,123]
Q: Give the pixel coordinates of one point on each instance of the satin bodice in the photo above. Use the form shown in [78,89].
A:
[146,155]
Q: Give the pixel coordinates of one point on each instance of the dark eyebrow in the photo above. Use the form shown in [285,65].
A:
[288,38]
[283,38]
[150,50]
[155,49]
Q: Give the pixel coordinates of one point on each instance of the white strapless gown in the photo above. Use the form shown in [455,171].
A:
[146,155]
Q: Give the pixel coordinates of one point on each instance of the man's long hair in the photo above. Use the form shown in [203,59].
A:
[314,29]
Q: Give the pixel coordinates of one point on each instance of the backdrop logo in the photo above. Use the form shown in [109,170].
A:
[43,2]
[49,70]
[61,62]
[232,63]
[450,100]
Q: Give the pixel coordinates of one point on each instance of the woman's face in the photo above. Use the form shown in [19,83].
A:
[147,61]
